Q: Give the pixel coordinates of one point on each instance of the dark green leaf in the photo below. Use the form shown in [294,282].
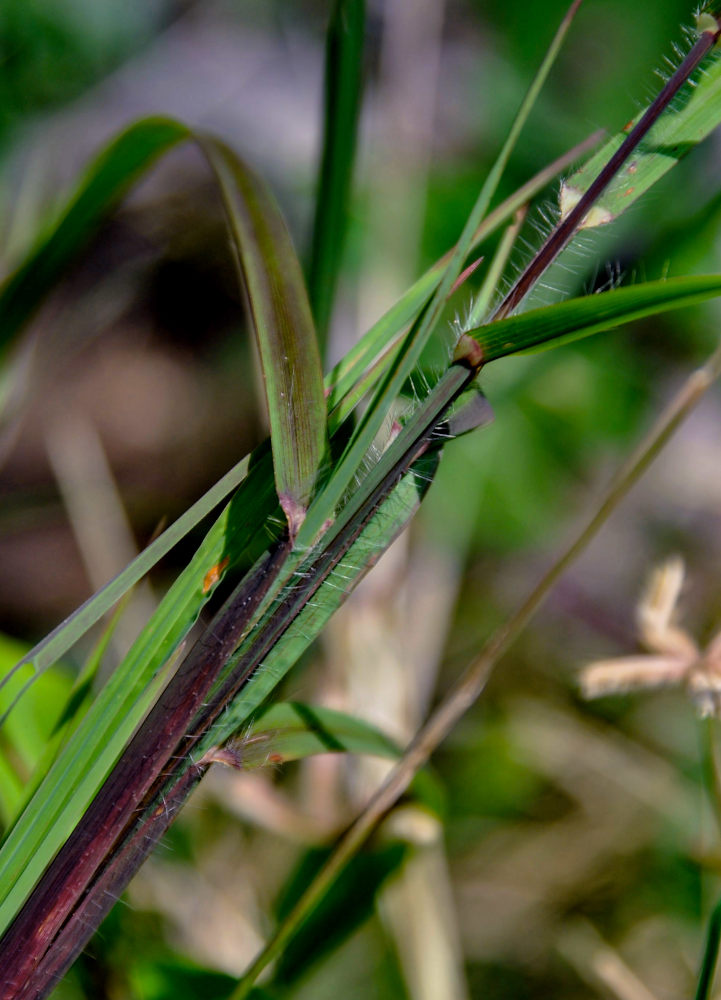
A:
[343,84]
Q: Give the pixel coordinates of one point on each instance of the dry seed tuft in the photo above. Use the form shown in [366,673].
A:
[673,658]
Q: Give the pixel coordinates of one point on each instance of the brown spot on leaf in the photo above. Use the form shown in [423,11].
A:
[214,574]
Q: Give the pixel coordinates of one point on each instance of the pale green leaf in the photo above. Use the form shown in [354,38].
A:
[674,135]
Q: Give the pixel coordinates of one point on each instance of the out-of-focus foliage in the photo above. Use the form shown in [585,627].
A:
[54,50]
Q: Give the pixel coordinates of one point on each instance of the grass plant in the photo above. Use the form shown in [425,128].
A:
[348,463]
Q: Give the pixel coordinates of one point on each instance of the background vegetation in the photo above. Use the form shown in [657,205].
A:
[577,850]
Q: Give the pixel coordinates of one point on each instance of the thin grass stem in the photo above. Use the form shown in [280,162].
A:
[708,963]
[710,768]
[495,271]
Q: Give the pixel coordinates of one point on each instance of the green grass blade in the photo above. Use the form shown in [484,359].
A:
[236,539]
[61,639]
[283,325]
[106,181]
[290,730]
[415,341]
[674,135]
[343,85]
[581,317]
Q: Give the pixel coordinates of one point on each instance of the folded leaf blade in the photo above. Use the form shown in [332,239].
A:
[282,322]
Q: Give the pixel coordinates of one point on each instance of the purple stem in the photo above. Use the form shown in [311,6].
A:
[563,233]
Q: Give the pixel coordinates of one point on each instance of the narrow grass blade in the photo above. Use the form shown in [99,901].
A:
[283,326]
[63,637]
[581,317]
[674,135]
[106,180]
[324,507]
[343,85]
[483,300]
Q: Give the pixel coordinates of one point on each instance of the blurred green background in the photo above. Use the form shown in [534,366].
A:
[575,852]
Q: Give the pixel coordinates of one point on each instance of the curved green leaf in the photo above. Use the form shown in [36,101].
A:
[106,180]
[283,325]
